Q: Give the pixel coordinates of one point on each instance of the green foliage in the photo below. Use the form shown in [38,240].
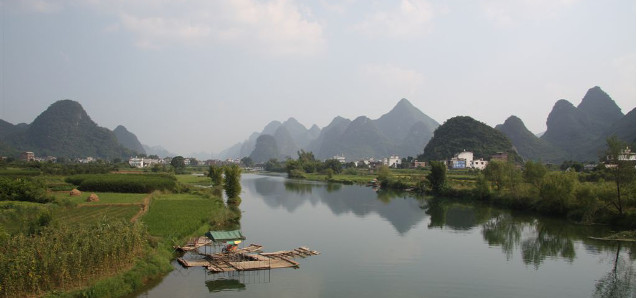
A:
[334,165]
[622,173]
[437,178]
[534,173]
[557,192]
[383,173]
[126,183]
[178,164]
[74,168]
[247,161]
[232,181]
[23,217]
[62,258]
[273,165]
[464,133]
[502,175]
[216,175]
[23,189]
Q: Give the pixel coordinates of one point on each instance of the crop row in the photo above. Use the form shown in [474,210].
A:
[123,183]
[67,256]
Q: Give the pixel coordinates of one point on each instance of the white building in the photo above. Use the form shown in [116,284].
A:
[340,158]
[140,162]
[393,161]
[479,164]
[462,160]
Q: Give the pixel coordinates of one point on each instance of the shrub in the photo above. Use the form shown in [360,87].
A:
[23,189]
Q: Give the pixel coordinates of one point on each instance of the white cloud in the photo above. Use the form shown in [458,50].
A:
[40,6]
[391,81]
[411,19]
[507,13]
[277,27]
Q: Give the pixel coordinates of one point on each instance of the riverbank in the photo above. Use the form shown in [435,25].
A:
[578,197]
[107,247]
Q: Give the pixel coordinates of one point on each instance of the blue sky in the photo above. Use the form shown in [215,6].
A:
[202,75]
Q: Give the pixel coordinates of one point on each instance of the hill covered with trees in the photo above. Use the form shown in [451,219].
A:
[64,130]
[463,133]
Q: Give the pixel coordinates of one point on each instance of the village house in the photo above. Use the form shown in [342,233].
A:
[479,164]
[461,160]
[141,162]
[464,160]
[503,156]
[393,161]
[27,156]
[340,158]
[419,164]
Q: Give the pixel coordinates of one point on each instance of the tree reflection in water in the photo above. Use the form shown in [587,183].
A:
[502,230]
[620,281]
[546,239]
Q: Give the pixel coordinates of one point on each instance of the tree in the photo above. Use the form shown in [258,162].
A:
[557,191]
[334,165]
[216,175]
[494,172]
[437,177]
[622,172]
[247,161]
[178,163]
[502,175]
[534,172]
[193,161]
[232,181]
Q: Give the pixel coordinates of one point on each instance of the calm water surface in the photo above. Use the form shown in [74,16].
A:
[391,245]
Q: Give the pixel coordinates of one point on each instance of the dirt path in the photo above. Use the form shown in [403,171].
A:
[143,210]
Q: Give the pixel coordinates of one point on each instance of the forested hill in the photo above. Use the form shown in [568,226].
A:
[463,133]
[66,130]
[528,145]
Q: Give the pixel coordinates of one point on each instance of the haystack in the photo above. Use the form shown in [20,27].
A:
[75,193]
[93,198]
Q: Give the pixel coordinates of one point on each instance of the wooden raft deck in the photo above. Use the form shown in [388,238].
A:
[244,260]
[194,244]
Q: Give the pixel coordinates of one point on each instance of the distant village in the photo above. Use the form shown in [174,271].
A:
[461,160]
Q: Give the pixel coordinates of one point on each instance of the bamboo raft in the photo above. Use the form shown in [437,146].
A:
[194,243]
[246,259]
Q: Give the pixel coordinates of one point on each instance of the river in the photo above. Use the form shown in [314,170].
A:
[376,244]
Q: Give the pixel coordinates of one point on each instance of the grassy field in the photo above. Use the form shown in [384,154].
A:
[194,180]
[91,214]
[105,198]
[175,216]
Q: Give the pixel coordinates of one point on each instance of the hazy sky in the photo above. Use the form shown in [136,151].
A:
[202,75]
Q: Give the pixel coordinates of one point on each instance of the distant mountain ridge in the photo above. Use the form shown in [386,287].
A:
[128,139]
[403,131]
[576,130]
[528,145]
[573,133]
[64,129]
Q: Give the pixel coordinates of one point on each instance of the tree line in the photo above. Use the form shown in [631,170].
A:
[605,195]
